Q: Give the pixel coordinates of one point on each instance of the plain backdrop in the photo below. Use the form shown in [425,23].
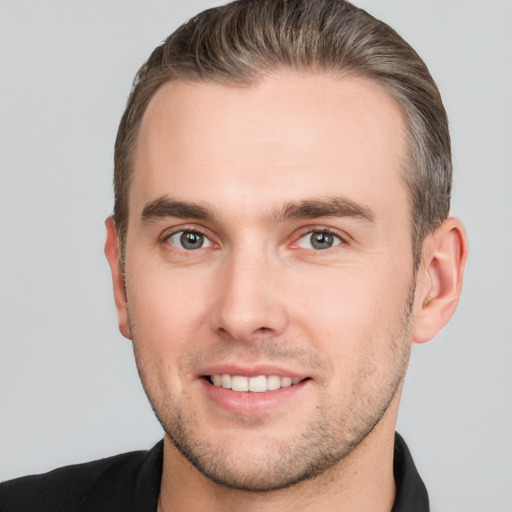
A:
[69,391]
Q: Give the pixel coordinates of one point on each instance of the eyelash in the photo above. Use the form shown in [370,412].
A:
[164,239]
[323,230]
[194,230]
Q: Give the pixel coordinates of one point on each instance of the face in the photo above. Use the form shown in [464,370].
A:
[269,272]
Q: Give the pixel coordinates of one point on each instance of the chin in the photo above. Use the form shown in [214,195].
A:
[256,461]
[269,467]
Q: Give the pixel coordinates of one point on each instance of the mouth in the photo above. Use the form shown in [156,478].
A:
[253,392]
[256,384]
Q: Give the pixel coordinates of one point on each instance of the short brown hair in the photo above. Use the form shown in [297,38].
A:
[242,42]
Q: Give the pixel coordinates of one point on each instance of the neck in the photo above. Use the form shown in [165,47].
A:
[362,481]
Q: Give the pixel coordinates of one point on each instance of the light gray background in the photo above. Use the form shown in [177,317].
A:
[68,386]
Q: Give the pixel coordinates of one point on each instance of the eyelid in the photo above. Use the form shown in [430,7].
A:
[172,230]
[306,241]
[323,229]
[173,240]
[302,232]
[169,232]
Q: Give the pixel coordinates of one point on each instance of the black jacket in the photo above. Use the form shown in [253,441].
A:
[131,483]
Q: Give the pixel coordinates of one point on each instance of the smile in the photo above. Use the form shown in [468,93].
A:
[258,384]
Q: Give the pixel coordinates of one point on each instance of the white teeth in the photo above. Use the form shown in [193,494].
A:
[239,383]
[273,382]
[225,381]
[286,382]
[258,384]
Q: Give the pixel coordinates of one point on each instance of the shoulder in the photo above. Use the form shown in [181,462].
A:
[101,485]
[411,493]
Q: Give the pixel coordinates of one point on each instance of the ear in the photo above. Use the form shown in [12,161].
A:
[112,254]
[439,280]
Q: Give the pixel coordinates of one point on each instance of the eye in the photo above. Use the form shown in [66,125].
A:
[319,240]
[189,240]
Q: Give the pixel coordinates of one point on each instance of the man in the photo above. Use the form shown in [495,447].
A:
[280,238]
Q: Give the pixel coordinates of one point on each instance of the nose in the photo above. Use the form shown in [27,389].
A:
[250,301]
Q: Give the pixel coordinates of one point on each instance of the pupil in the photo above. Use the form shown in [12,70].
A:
[191,240]
[321,240]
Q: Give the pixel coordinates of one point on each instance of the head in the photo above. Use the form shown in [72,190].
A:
[282,180]
[242,42]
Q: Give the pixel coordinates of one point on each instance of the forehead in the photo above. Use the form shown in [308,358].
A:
[272,140]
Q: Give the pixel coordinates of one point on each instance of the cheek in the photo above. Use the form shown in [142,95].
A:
[167,318]
[168,309]
[352,315]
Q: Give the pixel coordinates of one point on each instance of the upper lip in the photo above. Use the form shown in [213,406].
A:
[250,371]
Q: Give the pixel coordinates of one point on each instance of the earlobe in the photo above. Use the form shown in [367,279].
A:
[112,254]
[439,282]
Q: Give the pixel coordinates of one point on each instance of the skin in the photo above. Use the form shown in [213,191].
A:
[258,296]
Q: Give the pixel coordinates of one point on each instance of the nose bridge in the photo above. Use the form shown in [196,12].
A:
[249,301]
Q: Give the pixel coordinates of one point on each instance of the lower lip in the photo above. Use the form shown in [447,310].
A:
[251,403]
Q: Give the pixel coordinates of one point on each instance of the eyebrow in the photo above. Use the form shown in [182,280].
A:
[322,207]
[164,207]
